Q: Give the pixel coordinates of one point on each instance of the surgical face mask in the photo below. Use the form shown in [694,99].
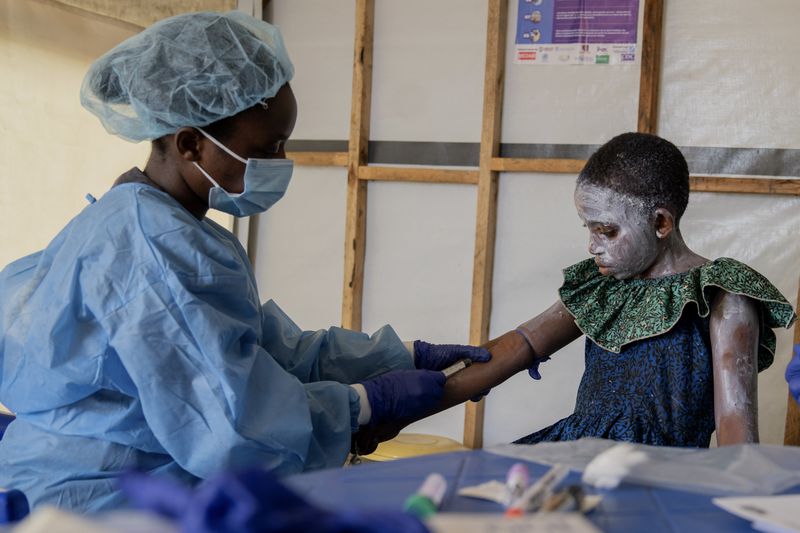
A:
[265,182]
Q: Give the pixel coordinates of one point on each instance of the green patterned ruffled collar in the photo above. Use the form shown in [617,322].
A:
[614,312]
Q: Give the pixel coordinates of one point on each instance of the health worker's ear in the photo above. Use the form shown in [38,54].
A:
[664,223]
[188,143]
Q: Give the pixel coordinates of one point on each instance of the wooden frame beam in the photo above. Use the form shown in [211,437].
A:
[319,159]
[651,66]
[519,164]
[418,174]
[486,216]
[698,183]
[789,187]
[356,214]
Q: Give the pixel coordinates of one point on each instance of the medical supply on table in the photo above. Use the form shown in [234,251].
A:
[535,495]
[457,367]
[516,482]
[426,501]
[493,491]
[743,468]
[569,499]
[767,513]
[565,500]
[13,506]
[608,469]
[756,469]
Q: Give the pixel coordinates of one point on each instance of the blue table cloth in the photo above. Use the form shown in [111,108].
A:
[626,509]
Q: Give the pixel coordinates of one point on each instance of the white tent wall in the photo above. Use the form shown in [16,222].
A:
[53,151]
[726,82]
[299,243]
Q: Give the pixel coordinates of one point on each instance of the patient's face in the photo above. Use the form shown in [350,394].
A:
[622,238]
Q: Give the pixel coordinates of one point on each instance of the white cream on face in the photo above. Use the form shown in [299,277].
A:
[621,238]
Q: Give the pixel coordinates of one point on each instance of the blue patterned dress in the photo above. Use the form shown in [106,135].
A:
[648,376]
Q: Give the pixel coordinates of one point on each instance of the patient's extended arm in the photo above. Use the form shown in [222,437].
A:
[512,352]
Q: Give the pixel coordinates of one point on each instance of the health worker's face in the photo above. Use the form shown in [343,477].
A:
[621,238]
[256,133]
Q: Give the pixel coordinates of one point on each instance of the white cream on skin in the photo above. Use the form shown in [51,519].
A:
[627,242]
[622,240]
[734,342]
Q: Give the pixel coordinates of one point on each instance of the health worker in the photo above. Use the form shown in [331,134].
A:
[136,340]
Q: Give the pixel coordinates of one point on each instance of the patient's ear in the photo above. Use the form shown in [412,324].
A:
[664,223]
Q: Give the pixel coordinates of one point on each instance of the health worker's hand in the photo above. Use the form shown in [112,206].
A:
[533,371]
[403,394]
[793,374]
[439,356]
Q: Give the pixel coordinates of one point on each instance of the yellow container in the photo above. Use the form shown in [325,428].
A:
[412,445]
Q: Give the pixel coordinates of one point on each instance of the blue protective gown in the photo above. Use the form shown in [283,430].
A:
[137,340]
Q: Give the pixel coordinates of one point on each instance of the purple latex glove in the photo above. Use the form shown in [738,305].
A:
[13,506]
[162,496]
[533,371]
[429,356]
[793,374]
[253,501]
[403,394]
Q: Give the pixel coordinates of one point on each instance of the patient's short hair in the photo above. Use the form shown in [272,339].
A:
[642,166]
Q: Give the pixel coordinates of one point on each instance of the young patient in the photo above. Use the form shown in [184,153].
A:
[674,342]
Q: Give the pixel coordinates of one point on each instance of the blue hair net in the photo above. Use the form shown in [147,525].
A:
[188,70]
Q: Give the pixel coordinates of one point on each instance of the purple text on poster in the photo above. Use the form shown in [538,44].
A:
[595,21]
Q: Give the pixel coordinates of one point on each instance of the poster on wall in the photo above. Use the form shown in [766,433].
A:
[576,32]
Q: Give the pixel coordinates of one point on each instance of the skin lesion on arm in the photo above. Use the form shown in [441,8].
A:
[734,329]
